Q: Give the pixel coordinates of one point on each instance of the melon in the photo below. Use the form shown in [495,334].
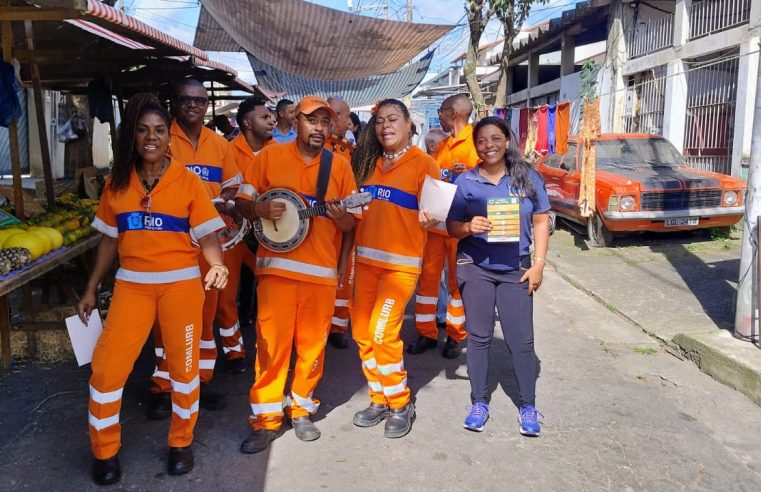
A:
[55,237]
[27,240]
[6,233]
[45,240]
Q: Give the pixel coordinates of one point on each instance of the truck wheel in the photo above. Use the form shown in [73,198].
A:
[599,236]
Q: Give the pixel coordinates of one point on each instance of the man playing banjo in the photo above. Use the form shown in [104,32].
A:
[297,285]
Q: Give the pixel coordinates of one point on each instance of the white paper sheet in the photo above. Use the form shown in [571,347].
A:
[84,338]
[437,197]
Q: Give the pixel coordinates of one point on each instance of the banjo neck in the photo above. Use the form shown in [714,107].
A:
[310,212]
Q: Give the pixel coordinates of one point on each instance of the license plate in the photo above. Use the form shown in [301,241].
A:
[682,221]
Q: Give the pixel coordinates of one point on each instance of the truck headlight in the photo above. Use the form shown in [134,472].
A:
[626,203]
[730,198]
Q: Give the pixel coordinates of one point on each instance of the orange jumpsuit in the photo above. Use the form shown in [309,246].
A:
[158,280]
[296,289]
[389,257]
[340,321]
[441,249]
[214,162]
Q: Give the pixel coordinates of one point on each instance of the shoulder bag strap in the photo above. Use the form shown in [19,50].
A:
[323,176]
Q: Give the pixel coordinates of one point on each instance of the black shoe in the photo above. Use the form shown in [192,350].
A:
[421,345]
[305,429]
[235,366]
[108,471]
[258,441]
[452,349]
[180,461]
[211,400]
[399,422]
[338,340]
[159,406]
[370,416]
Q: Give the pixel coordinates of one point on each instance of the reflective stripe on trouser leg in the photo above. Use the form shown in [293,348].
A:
[428,286]
[160,378]
[129,321]
[392,291]
[275,328]
[455,309]
[313,314]
[208,358]
[364,300]
[342,312]
[179,311]
[227,305]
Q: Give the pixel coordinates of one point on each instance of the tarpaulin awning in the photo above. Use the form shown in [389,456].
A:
[357,92]
[310,40]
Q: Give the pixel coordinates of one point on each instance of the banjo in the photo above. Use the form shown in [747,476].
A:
[290,230]
[235,228]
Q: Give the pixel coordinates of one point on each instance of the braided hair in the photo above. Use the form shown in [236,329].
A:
[368,148]
[127,158]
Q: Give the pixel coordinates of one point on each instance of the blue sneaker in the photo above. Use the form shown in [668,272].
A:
[529,421]
[479,414]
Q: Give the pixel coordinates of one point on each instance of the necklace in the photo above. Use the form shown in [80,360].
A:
[149,187]
[391,157]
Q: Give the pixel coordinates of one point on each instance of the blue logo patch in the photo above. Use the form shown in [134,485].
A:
[392,195]
[211,174]
[142,221]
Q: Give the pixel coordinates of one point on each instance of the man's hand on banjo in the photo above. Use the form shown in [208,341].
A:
[270,209]
[343,219]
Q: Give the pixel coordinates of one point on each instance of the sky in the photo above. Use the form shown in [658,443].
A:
[178,18]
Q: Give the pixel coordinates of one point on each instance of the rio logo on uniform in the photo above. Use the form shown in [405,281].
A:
[138,221]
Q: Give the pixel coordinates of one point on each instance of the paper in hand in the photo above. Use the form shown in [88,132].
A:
[437,197]
[84,337]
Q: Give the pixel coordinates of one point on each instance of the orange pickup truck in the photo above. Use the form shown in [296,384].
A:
[642,184]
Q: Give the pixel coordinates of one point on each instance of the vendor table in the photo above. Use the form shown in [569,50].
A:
[22,278]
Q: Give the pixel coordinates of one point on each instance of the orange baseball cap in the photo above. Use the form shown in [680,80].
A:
[310,104]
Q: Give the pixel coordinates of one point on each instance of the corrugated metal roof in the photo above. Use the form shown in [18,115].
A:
[310,40]
[356,92]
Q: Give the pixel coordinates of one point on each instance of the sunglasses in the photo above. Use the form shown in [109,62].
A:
[146,203]
[198,100]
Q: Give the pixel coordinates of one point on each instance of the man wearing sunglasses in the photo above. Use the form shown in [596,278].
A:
[209,155]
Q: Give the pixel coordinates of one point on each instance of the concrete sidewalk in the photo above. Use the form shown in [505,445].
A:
[679,288]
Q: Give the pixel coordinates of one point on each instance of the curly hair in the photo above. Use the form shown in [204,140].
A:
[517,168]
[368,148]
[127,158]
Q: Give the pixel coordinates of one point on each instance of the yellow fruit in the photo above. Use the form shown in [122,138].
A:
[72,225]
[27,240]
[55,237]
[84,221]
[70,237]
[45,241]
[6,233]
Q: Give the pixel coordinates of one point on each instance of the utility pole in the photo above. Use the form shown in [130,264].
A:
[747,308]
[409,11]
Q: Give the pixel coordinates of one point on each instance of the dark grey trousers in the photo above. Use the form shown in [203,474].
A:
[481,290]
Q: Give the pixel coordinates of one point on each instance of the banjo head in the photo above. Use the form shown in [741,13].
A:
[288,232]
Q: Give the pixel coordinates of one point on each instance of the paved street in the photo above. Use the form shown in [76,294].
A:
[619,414]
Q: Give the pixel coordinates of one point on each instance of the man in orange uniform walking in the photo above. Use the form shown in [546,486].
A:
[454,156]
[338,144]
[210,156]
[296,289]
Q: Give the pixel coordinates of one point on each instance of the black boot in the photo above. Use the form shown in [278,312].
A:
[305,429]
[211,400]
[258,441]
[421,345]
[180,461]
[452,349]
[338,340]
[158,406]
[235,366]
[399,422]
[108,471]
[370,416]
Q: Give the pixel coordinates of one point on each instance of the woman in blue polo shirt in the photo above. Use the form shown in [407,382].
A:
[497,205]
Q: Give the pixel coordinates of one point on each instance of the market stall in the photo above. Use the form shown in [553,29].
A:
[73,46]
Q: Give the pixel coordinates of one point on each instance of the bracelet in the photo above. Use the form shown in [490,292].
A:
[540,259]
[224,269]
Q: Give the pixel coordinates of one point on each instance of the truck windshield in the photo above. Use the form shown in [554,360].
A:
[637,152]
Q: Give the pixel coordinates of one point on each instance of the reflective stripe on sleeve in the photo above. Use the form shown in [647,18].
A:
[386,257]
[104,398]
[234,181]
[426,300]
[295,266]
[247,191]
[185,388]
[100,424]
[387,369]
[396,389]
[158,277]
[100,226]
[208,227]
[185,413]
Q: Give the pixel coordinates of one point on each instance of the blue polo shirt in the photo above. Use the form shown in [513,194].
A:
[283,137]
[473,190]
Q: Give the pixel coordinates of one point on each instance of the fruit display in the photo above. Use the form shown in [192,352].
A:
[27,241]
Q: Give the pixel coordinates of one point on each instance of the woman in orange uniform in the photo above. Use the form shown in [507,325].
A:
[389,256]
[149,207]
